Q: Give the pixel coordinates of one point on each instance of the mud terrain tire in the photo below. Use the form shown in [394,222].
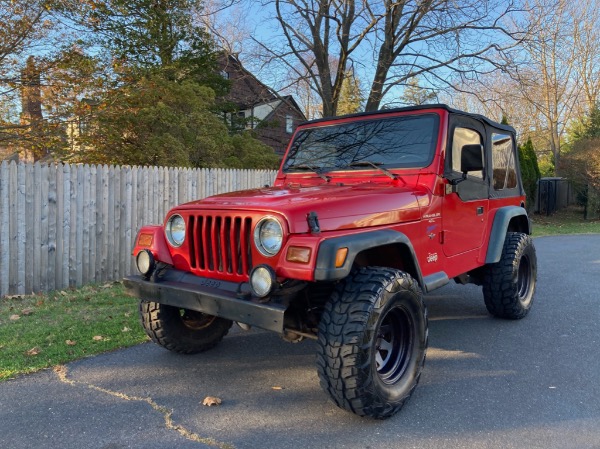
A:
[182,330]
[372,342]
[509,285]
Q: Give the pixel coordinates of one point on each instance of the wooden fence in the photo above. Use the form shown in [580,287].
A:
[68,225]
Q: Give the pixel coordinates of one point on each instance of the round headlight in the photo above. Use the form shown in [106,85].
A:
[262,280]
[175,230]
[145,262]
[268,236]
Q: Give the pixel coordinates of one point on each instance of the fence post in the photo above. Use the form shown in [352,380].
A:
[4,221]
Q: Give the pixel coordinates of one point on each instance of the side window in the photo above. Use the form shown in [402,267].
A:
[461,137]
[503,162]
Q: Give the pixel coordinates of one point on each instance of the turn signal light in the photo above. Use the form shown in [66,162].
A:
[298,254]
[145,240]
[340,257]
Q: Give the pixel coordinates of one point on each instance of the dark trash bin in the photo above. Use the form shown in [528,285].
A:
[552,194]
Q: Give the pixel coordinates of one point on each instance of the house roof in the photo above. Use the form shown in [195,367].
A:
[260,93]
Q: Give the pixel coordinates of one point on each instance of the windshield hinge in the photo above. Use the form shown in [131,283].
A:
[313,222]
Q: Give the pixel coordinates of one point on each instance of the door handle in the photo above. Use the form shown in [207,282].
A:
[480,210]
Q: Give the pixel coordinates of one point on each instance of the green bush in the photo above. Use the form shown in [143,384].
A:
[530,171]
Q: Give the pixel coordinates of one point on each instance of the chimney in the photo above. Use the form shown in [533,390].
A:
[31,104]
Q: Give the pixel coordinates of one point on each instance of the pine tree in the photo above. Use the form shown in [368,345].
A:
[351,97]
[160,106]
[530,172]
[415,94]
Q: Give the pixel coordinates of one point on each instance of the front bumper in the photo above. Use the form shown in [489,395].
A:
[219,298]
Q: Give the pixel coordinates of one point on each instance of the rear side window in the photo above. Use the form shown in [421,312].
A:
[462,137]
[503,162]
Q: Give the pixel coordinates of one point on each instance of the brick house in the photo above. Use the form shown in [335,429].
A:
[272,117]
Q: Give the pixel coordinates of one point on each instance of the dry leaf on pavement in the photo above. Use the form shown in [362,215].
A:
[211,400]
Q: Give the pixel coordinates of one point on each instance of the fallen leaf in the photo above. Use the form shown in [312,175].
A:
[33,351]
[71,342]
[13,297]
[126,329]
[127,314]
[14,317]
[27,311]
[97,338]
[277,388]
[211,400]
[107,285]
[63,293]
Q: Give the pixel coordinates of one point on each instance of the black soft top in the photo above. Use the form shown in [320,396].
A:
[418,108]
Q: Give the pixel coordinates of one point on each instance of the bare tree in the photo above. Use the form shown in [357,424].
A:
[404,38]
[22,24]
[587,52]
[544,79]
[554,77]
[307,98]
[227,23]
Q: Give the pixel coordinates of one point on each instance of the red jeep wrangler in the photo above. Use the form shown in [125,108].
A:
[367,212]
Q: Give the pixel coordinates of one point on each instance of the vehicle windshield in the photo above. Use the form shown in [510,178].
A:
[394,142]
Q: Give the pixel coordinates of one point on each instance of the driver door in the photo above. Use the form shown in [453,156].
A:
[465,205]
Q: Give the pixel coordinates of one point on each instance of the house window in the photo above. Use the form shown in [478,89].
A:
[239,121]
[289,124]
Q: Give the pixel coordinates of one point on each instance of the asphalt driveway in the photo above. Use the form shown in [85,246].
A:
[487,383]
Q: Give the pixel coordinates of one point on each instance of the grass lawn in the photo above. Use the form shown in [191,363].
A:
[44,330]
[564,221]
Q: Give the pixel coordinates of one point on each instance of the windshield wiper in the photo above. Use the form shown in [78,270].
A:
[309,167]
[376,165]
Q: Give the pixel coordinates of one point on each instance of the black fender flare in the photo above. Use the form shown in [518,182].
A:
[499,229]
[325,269]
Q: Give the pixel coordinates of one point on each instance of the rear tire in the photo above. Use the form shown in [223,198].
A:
[372,342]
[182,330]
[509,285]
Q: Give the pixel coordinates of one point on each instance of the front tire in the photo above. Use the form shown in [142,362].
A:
[509,285]
[182,330]
[372,342]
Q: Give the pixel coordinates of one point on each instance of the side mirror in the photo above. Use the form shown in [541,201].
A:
[471,158]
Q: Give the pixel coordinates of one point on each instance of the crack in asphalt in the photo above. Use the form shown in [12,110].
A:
[61,372]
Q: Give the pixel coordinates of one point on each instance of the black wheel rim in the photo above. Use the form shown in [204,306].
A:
[195,320]
[524,279]
[393,348]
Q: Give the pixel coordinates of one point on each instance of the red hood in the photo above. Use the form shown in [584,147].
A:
[338,207]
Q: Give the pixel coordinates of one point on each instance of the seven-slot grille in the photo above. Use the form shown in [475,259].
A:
[221,244]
